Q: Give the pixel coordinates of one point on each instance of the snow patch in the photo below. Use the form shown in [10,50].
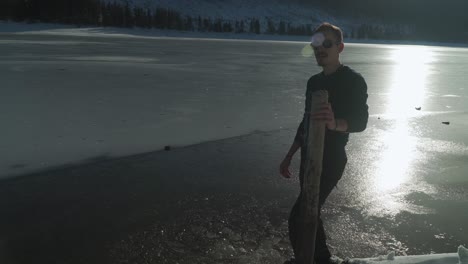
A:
[447,258]
[462,255]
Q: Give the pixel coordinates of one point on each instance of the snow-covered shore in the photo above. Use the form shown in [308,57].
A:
[461,257]
[70,30]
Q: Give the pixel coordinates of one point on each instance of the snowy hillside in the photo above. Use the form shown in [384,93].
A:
[297,17]
[230,10]
[239,9]
[275,17]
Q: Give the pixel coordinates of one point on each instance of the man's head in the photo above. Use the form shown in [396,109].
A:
[327,42]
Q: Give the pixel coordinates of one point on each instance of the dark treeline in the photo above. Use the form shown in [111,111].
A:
[95,12]
[439,20]
[50,11]
[118,14]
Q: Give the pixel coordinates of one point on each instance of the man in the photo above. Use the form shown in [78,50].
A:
[346,112]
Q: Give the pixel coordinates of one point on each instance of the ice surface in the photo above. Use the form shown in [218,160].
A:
[101,93]
[91,98]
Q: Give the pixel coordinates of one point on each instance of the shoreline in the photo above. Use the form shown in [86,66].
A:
[213,202]
[61,29]
[112,210]
[91,161]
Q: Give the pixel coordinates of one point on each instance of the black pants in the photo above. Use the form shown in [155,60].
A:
[332,170]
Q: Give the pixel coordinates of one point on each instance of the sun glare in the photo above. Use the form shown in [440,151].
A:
[407,87]
[406,92]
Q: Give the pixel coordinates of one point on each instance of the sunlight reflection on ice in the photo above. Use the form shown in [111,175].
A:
[407,90]
[408,86]
[395,164]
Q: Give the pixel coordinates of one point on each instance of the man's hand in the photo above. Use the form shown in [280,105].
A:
[325,113]
[284,167]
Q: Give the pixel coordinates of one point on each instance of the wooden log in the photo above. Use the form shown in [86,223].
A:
[314,136]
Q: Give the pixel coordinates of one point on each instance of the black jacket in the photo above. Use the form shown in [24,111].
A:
[347,94]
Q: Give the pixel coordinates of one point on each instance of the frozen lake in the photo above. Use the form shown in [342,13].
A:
[72,99]
[68,99]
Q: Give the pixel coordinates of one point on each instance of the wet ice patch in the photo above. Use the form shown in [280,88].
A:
[46,42]
[182,110]
[113,59]
[443,146]
[210,232]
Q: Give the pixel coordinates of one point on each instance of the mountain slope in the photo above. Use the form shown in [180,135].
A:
[230,10]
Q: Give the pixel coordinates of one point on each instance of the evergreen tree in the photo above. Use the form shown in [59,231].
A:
[127,16]
[149,17]
[188,24]
[257,27]
[161,18]
[309,30]
[270,27]
[227,27]
[241,27]
[218,26]
[282,28]
[200,24]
